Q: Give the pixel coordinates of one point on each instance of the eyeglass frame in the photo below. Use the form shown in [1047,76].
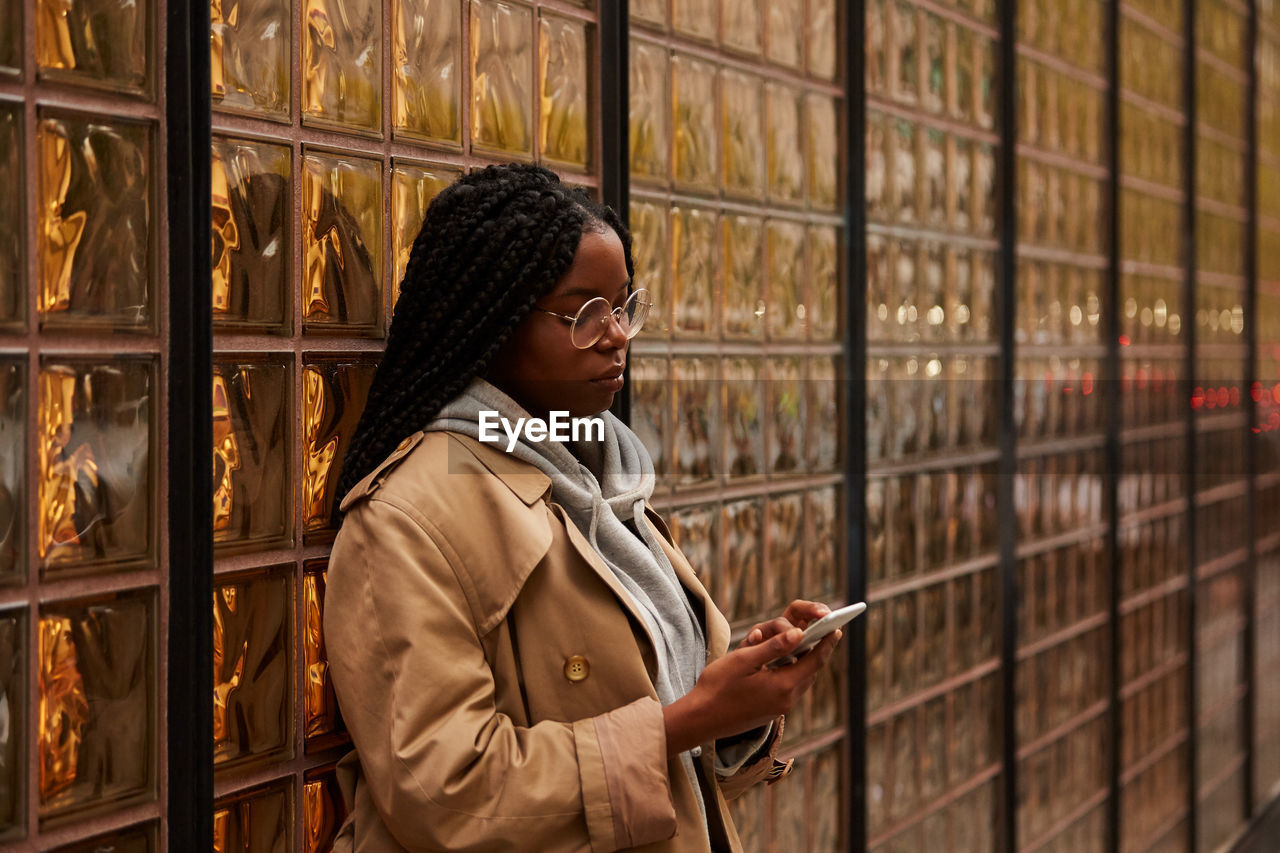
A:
[615,313]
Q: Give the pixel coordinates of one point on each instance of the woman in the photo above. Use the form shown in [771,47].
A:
[523,658]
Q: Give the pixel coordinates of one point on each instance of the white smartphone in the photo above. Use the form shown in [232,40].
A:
[819,629]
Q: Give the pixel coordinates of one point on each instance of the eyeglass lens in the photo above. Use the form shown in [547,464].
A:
[593,319]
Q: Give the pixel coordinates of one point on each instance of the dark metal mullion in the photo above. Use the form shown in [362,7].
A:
[1189,311]
[190,665]
[1112,371]
[855,406]
[615,133]
[1251,407]
[1007,171]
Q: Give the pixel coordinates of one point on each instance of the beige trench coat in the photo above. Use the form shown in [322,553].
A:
[495,676]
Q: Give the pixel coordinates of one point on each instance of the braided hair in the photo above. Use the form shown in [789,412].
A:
[492,244]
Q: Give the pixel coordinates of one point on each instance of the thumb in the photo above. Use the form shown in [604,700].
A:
[776,646]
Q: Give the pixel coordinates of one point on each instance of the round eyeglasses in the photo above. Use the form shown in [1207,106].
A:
[588,326]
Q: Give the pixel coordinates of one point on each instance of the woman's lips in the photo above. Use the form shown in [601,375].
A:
[610,383]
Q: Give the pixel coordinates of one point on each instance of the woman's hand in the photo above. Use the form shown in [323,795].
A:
[798,614]
[738,692]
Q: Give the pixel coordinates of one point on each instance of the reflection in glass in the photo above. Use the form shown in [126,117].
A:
[103,43]
[250,456]
[694,381]
[742,110]
[693,237]
[252,704]
[342,62]
[323,811]
[501,76]
[648,111]
[341,237]
[96,729]
[783,138]
[249,56]
[563,122]
[412,189]
[427,69]
[333,396]
[94,455]
[13,708]
[13,463]
[134,839]
[254,822]
[319,704]
[694,144]
[93,240]
[252,208]
[743,434]
[13,276]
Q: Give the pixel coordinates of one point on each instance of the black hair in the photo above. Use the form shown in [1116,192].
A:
[492,244]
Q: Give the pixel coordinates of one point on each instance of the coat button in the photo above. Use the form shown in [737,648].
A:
[402,445]
[576,668]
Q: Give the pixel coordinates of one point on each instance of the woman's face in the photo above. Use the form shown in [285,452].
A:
[540,368]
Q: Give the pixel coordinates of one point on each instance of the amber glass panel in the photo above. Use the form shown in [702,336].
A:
[787,312]
[695,18]
[319,704]
[696,530]
[99,43]
[412,189]
[258,821]
[652,260]
[564,122]
[322,811]
[787,416]
[342,63]
[93,242]
[650,416]
[783,137]
[11,41]
[741,19]
[502,77]
[750,813]
[135,839]
[784,32]
[333,395]
[823,574]
[97,681]
[743,418]
[249,56]
[13,274]
[252,677]
[252,209]
[693,237]
[13,455]
[696,427]
[822,394]
[94,454]
[744,307]
[251,417]
[427,65]
[649,11]
[742,111]
[824,151]
[824,283]
[13,707]
[823,39]
[694,145]
[649,110]
[784,572]
[341,243]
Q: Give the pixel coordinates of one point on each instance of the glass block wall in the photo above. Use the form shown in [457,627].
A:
[736,212]
[335,123]
[83,482]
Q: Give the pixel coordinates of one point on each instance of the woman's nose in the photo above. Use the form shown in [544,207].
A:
[615,333]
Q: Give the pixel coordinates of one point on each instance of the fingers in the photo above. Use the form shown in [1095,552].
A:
[800,612]
[764,630]
[773,648]
[806,668]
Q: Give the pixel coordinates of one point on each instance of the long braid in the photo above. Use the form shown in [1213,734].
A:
[491,245]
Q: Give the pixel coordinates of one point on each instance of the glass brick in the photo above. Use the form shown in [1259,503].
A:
[96,737]
[323,810]
[649,110]
[787,415]
[697,19]
[93,243]
[257,821]
[878,48]
[342,64]
[251,233]
[784,568]
[744,307]
[13,238]
[412,189]
[333,396]
[650,416]
[823,39]
[786,170]
[249,62]
[696,426]
[694,143]
[11,41]
[904,58]
[823,579]
[564,119]
[252,638]
[652,259]
[133,839]
[13,709]
[251,413]
[935,77]
[787,312]
[824,283]
[750,812]
[824,151]
[737,587]
[502,77]
[742,25]
[696,531]
[94,460]
[95,43]
[341,243]
[743,418]
[427,70]
[742,110]
[13,456]
[789,820]
[784,32]
[822,392]
[319,703]
[653,12]
[694,246]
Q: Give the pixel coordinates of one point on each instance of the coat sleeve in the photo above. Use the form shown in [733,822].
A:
[445,769]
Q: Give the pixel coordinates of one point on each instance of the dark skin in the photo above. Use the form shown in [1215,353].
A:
[541,369]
